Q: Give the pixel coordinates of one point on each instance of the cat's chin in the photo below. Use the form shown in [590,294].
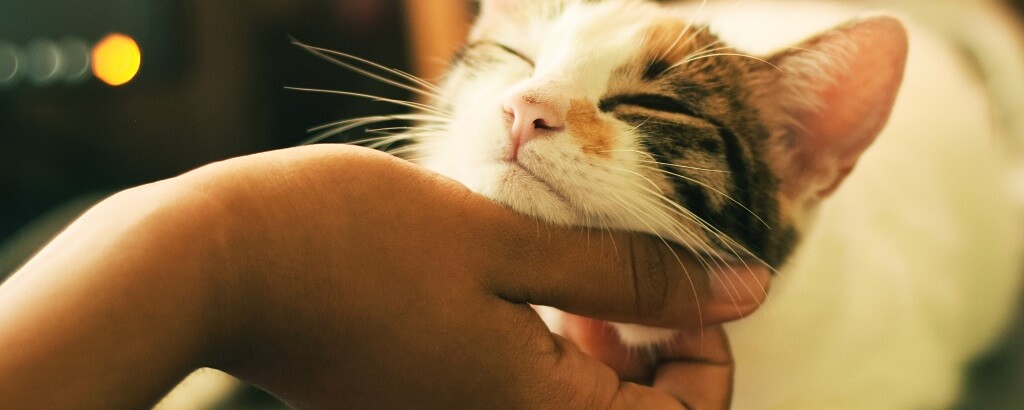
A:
[520,189]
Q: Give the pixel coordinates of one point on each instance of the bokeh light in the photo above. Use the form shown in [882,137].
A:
[116,59]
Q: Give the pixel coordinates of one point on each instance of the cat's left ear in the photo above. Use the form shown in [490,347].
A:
[827,99]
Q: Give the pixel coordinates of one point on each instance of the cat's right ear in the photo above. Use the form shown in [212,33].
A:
[826,100]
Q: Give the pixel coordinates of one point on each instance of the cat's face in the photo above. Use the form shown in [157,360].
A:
[626,115]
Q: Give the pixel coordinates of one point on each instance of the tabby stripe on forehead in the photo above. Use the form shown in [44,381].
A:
[657,103]
[655,69]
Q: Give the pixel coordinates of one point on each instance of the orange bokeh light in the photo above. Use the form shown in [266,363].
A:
[116,59]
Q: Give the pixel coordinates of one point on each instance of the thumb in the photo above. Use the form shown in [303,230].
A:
[619,277]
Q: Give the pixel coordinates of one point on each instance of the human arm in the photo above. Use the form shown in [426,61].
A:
[330,275]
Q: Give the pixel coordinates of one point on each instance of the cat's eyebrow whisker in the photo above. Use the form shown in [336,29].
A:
[696,55]
[675,43]
[708,48]
[686,30]
[407,104]
[431,91]
[737,55]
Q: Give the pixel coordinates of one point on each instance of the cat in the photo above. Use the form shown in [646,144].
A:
[855,154]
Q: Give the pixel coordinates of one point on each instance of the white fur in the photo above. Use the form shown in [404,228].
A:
[472,148]
[910,269]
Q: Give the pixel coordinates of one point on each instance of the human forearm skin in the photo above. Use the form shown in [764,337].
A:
[117,308]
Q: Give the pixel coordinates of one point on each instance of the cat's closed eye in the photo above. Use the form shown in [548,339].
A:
[654,102]
[505,48]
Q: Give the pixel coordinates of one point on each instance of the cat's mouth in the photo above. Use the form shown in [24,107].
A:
[516,170]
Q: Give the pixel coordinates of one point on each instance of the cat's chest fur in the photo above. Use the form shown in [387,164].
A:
[909,269]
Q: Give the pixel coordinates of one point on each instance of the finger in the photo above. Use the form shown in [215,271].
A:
[598,339]
[579,381]
[620,277]
[697,369]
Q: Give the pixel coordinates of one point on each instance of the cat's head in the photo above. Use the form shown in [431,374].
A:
[625,114]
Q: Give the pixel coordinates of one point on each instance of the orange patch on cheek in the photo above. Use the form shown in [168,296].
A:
[594,135]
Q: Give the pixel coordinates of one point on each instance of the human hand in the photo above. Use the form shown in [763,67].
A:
[333,275]
[446,297]
[695,367]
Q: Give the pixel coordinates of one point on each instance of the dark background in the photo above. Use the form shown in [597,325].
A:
[211,86]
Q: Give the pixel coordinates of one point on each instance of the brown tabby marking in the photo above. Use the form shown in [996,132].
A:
[666,41]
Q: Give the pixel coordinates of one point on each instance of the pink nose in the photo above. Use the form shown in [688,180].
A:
[531,119]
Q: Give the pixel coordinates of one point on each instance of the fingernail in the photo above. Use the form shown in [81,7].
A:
[740,286]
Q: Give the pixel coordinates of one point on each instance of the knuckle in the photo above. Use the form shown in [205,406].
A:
[651,275]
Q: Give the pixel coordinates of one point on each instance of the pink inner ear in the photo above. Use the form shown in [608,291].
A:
[852,75]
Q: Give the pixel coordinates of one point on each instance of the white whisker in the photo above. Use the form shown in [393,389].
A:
[322,53]
[408,104]
[422,118]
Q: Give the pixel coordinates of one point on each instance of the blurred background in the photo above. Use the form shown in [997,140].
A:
[101,95]
[210,86]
